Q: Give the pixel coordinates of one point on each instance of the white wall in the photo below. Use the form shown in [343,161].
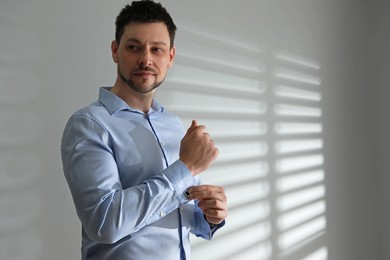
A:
[55,54]
[381,79]
[353,180]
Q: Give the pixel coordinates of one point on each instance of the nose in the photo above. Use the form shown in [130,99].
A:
[145,59]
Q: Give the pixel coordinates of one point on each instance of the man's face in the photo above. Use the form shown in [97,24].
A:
[143,56]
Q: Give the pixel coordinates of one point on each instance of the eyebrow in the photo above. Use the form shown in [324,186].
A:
[135,40]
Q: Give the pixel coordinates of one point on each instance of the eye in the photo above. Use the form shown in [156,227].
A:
[133,47]
[156,49]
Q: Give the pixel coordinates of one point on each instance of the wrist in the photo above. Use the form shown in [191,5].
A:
[190,168]
[212,226]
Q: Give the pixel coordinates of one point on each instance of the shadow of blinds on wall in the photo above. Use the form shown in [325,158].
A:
[298,176]
[263,110]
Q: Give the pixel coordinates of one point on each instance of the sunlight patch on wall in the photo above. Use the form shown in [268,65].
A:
[292,146]
[296,93]
[320,254]
[298,163]
[299,159]
[299,180]
[297,76]
[266,122]
[292,58]
[299,198]
[229,98]
[303,234]
[291,128]
[290,219]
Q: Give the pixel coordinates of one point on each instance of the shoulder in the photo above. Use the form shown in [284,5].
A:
[92,114]
[94,109]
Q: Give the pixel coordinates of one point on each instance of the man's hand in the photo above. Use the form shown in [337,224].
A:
[212,200]
[197,150]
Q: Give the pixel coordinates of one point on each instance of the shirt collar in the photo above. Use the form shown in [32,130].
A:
[113,103]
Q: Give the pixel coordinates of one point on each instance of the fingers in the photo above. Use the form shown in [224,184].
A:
[215,216]
[204,192]
[197,149]
[199,129]
[210,206]
[212,200]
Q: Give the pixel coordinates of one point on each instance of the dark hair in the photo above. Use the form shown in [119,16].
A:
[144,11]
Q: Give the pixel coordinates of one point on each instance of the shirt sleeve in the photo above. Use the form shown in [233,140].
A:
[201,227]
[107,211]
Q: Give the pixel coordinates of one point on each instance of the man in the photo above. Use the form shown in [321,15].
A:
[131,168]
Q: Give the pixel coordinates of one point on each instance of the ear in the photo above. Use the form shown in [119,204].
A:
[114,51]
[172,54]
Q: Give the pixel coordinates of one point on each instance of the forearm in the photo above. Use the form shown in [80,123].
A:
[109,214]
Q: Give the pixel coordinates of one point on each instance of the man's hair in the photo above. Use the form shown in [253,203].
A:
[144,11]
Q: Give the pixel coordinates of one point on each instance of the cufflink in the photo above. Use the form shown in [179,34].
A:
[187,193]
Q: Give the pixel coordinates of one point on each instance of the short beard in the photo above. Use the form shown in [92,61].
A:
[136,88]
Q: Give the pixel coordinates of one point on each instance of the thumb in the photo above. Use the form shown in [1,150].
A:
[193,126]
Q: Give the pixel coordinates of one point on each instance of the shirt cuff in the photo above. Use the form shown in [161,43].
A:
[181,179]
[215,227]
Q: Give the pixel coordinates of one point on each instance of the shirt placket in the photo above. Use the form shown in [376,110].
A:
[180,231]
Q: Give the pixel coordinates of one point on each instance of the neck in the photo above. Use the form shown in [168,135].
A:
[136,100]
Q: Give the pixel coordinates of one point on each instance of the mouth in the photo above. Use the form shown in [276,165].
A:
[144,73]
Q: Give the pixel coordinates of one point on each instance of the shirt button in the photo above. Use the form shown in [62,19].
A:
[181,209]
[162,213]
[162,144]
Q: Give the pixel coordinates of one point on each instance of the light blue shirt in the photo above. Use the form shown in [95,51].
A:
[128,184]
